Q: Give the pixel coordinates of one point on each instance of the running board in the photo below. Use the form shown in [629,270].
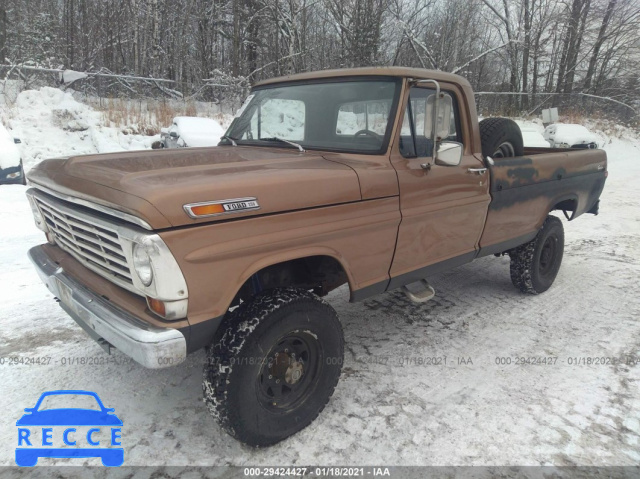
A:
[420,291]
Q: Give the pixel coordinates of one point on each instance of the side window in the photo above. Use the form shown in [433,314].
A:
[419,144]
[278,118]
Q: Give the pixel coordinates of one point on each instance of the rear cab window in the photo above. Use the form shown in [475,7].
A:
[358,117]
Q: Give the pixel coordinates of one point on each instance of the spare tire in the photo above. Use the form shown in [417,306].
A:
[501,138]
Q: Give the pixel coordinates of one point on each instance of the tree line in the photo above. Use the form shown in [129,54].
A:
[532,46]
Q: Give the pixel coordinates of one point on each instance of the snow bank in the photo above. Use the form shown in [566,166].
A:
[51,123]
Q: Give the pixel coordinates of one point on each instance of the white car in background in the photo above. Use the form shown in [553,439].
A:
[190,131]
[11,169]
[532,138]
[568,135]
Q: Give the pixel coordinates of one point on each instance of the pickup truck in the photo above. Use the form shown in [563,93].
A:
[377,178]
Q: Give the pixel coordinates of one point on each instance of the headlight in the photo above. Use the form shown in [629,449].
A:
[157,274]
[142,264]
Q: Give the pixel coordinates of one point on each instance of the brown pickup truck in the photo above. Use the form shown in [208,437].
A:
[375,178]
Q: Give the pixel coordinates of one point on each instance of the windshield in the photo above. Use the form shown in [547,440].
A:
[341,115]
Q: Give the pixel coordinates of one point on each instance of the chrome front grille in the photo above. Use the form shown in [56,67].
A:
[95,246]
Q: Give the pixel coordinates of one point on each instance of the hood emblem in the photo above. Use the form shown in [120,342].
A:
[222,207]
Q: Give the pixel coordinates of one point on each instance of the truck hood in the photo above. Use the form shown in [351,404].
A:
[155,185]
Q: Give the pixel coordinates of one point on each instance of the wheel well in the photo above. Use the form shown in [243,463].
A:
[320,273]
[569,204]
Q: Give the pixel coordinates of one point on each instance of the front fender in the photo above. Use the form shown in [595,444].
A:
[217,259]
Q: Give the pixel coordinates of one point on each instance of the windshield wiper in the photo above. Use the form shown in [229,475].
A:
[231,139]
[275,138]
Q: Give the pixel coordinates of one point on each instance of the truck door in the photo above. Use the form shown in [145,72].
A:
[443,207]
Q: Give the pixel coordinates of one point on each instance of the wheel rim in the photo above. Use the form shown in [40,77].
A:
[505,150]
[548,255]
[289,372]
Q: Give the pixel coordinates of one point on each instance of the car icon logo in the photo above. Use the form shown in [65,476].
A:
[69,432]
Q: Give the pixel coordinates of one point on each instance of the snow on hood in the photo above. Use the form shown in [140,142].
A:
[9,154]
[194,131]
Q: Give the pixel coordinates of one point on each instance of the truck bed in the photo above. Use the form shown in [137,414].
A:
[524,189]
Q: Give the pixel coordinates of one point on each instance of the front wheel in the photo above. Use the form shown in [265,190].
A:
[275,367]
[535,265]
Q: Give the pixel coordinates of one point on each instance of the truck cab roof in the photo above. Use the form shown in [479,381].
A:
[403,72]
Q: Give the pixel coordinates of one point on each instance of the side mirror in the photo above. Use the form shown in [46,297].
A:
[173,134]
[17,141]
[443,118]
[449,153]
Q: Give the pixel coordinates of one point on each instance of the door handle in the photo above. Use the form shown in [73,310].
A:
[478,171]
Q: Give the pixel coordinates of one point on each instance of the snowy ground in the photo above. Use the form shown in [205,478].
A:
[390,407]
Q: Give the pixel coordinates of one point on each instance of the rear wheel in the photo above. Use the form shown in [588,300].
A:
[501,138]
[275,366]
[535,265]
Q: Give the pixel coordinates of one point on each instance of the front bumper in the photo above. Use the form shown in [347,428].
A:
[110,326]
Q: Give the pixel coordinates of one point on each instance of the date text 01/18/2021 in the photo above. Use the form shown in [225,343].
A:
[316,471]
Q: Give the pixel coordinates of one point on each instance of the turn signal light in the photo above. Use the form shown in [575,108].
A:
[157,306]
[204,210]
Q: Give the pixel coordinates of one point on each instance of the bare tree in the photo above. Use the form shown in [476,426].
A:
[503,45]
[3,31]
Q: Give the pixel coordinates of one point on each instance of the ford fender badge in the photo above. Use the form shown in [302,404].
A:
[221,207]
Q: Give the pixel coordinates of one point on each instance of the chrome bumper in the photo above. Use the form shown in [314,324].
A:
[109,325]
